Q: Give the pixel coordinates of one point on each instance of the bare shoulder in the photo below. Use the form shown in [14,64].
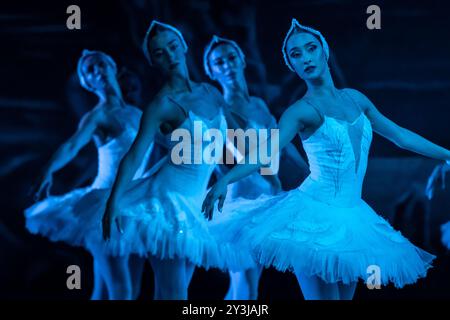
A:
[260,103]
[92,117]
[161,108]
[211,89]
[359,97]
[215,95]
[303,112]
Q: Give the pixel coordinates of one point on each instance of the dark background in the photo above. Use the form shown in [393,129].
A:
[404,68]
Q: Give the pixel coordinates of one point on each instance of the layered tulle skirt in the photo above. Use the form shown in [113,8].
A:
[53,217]
[156,220]
[294,231]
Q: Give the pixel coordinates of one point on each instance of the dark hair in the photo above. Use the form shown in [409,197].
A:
[84,56]
[153,33]
[213,44]
[298,30]
[154,29]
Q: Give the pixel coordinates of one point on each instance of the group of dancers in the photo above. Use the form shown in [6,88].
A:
[322,231]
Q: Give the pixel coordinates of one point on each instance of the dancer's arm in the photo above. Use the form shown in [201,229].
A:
[293,120]
[289,150]
[437,177]
[159,111]
[402,137]
[68,150]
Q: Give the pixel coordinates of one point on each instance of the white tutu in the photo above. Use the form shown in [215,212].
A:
[67,217]
[323,227]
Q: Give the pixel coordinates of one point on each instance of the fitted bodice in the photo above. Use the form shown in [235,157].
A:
[111,153]
[253,185]
[191,152]
[191,146]
[337,153]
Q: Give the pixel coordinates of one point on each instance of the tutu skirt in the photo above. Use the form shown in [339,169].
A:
[293,231]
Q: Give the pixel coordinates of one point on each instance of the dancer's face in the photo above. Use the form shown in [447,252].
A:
[98,73]
[167,52]
[306,55]
[226,65]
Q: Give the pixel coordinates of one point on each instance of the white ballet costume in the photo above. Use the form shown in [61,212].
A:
[254,185]
[323,228]
[162,214]
[67,217]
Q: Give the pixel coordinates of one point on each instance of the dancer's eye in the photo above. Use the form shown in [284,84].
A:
[157,54]
[173,47]
[295,54]
[218,63]
[232,57]
[312,48]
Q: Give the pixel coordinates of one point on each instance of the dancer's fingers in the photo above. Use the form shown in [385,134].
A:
[429,189]
[106,227]
[205,203]
[39,191]
[221,202]
[443,178]
[119,224]
[210,209]
[47,189]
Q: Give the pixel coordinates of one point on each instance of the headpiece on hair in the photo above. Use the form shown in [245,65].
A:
[88,53]
[154,24]
[213,43]
[296,25]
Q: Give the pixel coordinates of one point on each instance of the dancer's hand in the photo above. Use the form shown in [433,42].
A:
[437,177]
[46,181]
[109,217]
[276,186]
[218,191]
[445,233]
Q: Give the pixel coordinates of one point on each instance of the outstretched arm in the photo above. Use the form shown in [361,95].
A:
[68,150]
[290,123]
[402,137]
[289,150]
[156,113]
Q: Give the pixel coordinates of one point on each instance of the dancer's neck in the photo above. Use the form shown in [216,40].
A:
[322,86]
[236,92]
[113,98]
[180,82]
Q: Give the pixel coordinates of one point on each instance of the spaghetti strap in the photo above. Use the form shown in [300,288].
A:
[205,87]
[316,109]
[186,113]
[216,97]
[353,100]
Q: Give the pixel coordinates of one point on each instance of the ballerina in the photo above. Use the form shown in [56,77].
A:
[112,125]
[438,176]
[165,221]
[323,230]
[224,62]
